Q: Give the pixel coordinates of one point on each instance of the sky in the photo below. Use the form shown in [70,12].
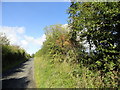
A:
[24,22]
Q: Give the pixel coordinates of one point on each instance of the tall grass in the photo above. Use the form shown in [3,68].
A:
[64,75]
[48,75]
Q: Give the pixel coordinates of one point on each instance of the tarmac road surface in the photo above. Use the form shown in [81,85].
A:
[21,76]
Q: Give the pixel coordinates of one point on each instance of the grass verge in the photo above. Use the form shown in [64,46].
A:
[48,75]
[64,75]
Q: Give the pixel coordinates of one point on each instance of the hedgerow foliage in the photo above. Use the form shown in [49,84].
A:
[58,44]
[56,57]
[61,54]
[99,24]
[11,54]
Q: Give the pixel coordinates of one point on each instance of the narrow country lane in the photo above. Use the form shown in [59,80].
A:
[20,77]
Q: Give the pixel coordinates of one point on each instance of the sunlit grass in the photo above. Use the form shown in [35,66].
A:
[52,76]
[66,75]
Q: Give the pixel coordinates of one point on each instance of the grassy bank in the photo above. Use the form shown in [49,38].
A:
[48,75]
[64,75]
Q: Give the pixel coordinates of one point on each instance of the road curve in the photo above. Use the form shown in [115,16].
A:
[21,76]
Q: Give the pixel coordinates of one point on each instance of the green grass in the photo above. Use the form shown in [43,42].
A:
[64,75]
[48,75]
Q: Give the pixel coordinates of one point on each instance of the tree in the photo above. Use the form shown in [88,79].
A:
[98,23]
[3,39]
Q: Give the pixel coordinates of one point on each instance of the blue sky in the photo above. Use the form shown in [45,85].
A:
[34,16]
[28,19]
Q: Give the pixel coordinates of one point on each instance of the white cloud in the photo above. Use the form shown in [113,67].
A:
[17,36]
[41,40]
[65,25]
[21,30]
[12,33]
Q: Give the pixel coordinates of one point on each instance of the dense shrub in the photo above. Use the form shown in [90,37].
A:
[99,25]
[94,23]
[11,55]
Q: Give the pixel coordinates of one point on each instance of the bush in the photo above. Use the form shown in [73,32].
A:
[11,55]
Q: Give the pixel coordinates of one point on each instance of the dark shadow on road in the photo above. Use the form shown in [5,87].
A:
[18,77]
[15,83]
[16,69]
